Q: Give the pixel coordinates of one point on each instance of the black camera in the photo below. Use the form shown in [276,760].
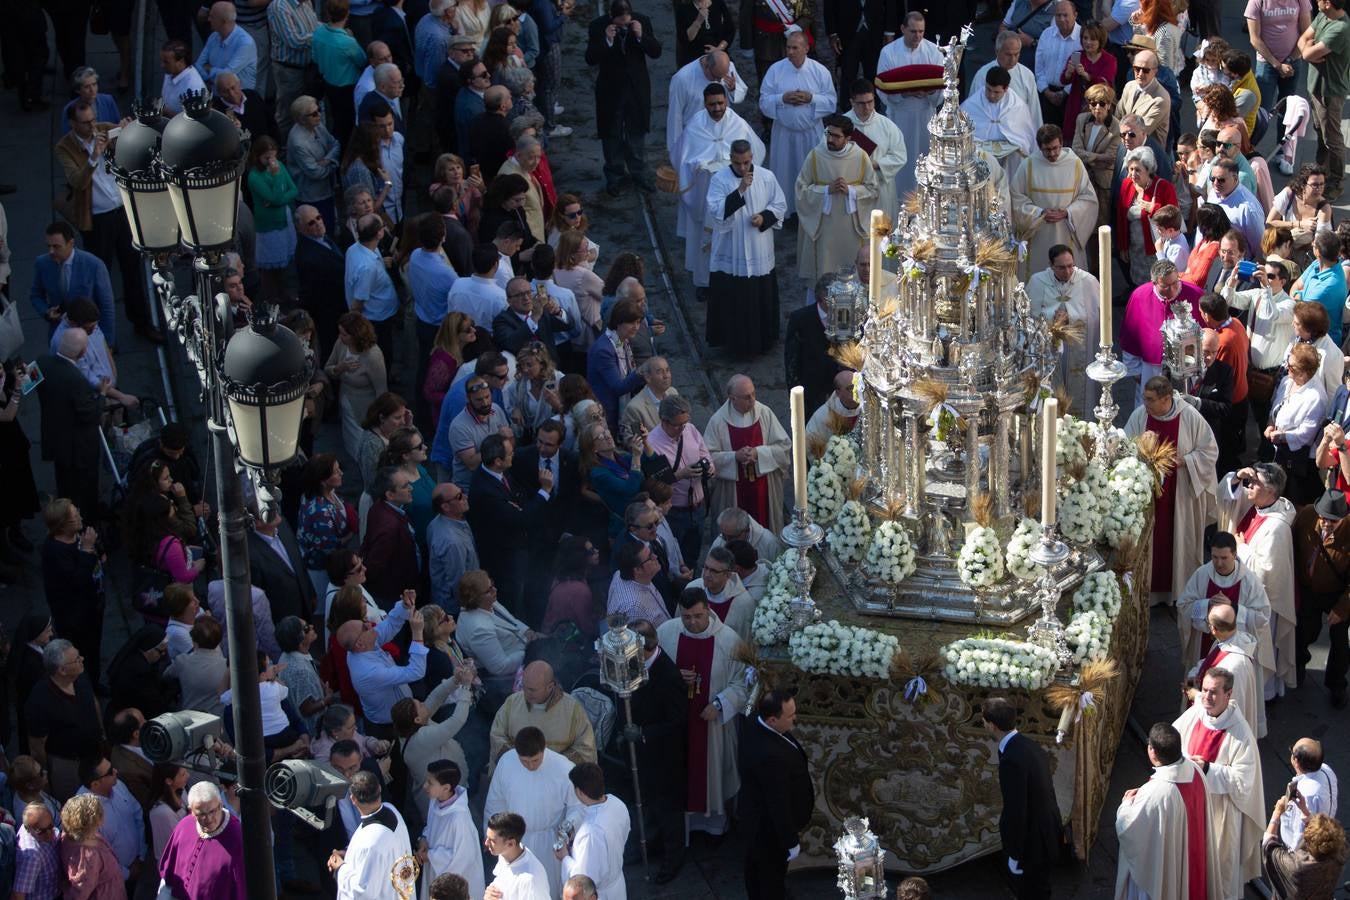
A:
[703,465]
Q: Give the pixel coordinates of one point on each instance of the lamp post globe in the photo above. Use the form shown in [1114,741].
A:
[145,196]
[202,156]
[264,374]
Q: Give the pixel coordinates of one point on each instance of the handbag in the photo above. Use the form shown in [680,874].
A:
[1260,385]
[148,584]
[660,468]
[11,329]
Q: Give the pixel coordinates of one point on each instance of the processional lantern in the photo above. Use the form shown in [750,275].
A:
[845,307]
[622,668]
[1181,347]
[862,862]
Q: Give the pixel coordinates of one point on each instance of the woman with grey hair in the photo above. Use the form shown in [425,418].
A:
[84,82]
[305,688]
[359,202]
[1142,193]
[312,156]
[520,82]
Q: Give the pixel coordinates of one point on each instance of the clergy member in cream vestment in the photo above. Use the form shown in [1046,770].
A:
[797,93]
[1235,651]
[1053,200]
[1062,290]
[836,191]
[1001,121]
[882,140]
[750,452]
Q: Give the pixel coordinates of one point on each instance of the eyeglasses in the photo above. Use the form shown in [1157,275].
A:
[516,295]
[1227,145]
[1098,103]
[112,770]
[1143,69]
[711,571]
[574,215]
[313,112]
[1128,134]
[421,446]
[47,830]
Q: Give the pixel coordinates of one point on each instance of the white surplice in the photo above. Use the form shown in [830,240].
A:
[1023,85]
[1151,826]
[742,610]
[796,128]
[453,844]
[704,150]
[888,158]
[1003,128]
[371,854]
[1038,185]
[686,101]
[911,112]
[739,248]
[542,797]
[1080,299]
[524,879]
[1237,654]
[597,848]
[1235,787]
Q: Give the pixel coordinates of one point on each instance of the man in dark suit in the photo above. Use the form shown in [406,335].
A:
[490,140]
[246,106]
[557,514]
[514,327]
[387,93]
[856,33]
[658,731]
[463,50]
[393,564]
[620,44]
[71,411]
[777,794]
[499,517]
[458,243]
[389,24]
[321,267]
[133,769]
[1214,399]
[640,519]
[806,352]
[277,568]
[1030,823]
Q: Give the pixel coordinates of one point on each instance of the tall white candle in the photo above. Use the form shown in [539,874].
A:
[1049,415]
[1104,277]
[874,254]
[798,400]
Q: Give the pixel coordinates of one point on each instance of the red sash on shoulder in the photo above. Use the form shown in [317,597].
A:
[1211,660]
[697,654]
[721,607]
[1250,524]
[1205,742]
[773,26]
[1232,593]
[1197,862]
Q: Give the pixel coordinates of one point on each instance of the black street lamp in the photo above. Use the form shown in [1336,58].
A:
[180,185]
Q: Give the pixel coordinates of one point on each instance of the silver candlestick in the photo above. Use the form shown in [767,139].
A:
[801,534]
[1049,553]
[1106,370]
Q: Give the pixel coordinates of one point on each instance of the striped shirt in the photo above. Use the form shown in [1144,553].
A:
[293,25]
[636,600]
[37,867]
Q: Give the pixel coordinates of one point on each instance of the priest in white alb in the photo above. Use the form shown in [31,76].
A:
[1187,504]
[531,780]
[744,206]
[1066,292]
[1164,829]
[750,453]
[363,869]
[1007,50]
[882,140]
[1252,505]
[450,841]
[910,75]
[704,650]
[1235,651]
[704,150]
[797,93]
[836,190]
[1001,120]
[1216,736]
[596,848]
[722,587]
[686,101]
[1053,199]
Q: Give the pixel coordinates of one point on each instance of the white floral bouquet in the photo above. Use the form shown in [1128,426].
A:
[771,617]
[980,561]
[824,493]
[1024,537]
[890,555]
[1122,525]
[1084,505]
[998,663]
[832,648]
[1069,449]
[1132,482]
[1089,635]
[842,456]
[780,573]
[850,533]
[1099,592]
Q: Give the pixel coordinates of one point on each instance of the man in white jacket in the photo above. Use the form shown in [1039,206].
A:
[596,849]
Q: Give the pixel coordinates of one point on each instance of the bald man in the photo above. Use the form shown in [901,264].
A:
[229,48]
[244,105]
[542,703]
[686,92]
[490,139]
[1145,97]
[1315,783]
[839,413]
[37,859]
[379,680]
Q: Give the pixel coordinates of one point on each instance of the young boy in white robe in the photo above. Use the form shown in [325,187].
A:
[450,841]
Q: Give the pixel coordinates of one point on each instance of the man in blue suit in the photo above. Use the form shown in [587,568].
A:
[65,273]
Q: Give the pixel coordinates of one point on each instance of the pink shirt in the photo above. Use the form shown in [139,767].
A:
[1279,23]
[1144,316]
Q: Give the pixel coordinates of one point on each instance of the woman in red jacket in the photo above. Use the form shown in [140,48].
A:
[1141,194]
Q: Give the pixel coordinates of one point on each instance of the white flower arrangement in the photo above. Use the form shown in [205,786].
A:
[771,617]
[833,648]
[1122,525]
[998,663]
[1089,635]
[824,493]
[1130,487]
[1099,592]
[980,561]
[1084,505]
[842,456]
[1069,450]
[850,533]
[1024,537]
[780,573]
[890,555]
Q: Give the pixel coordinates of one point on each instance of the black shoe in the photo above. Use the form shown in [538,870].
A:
[668,871]
[21,543]
[150,333]
[1338,698]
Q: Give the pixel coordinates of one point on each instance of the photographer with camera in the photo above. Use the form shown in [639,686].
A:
[1321,565]
[687,469]
[620,44]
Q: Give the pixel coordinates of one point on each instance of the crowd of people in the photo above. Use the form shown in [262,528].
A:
[427,597]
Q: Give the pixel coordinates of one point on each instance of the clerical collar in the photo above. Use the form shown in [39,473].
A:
[773,730]
[647,664]
[224,820]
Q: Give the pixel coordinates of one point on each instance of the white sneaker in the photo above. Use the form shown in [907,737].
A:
[557,109]
[559,131]
[1286,167]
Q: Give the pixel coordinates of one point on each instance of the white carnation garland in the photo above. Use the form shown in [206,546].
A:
[1016,557]
[841,456]
[850,533]
[1069,449]
[998,663]
[980,560]
[824,493]
[833,648]
[890,555]
[1084,504]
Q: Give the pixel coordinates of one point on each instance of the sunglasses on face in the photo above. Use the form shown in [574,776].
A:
[574,215]
[1128,134]
[1227,145]
[1142,69]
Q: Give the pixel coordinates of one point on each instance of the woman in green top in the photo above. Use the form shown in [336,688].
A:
[273,193]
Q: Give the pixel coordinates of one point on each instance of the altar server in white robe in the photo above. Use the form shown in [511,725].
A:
[519,873]
[450,841]
[836,191]
[911,108]
[596,850]
[797,93]
[1053,199]
[1166,852]
[744,206]
[1178,537]
[704,650]
[531,780]
[686,101]
[882,140]
[1066,292]
[1216,736]
[1235,651]
[378,842]
[704,150]
[1007,47]
[726,595]
[1001,120]
[749,450]
[1252,506]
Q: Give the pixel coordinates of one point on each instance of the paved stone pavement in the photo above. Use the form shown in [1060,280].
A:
[628,222]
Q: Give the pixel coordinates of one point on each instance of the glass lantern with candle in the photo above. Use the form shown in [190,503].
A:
[1181,347]
[862,862]
[845,307]
[621,662]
